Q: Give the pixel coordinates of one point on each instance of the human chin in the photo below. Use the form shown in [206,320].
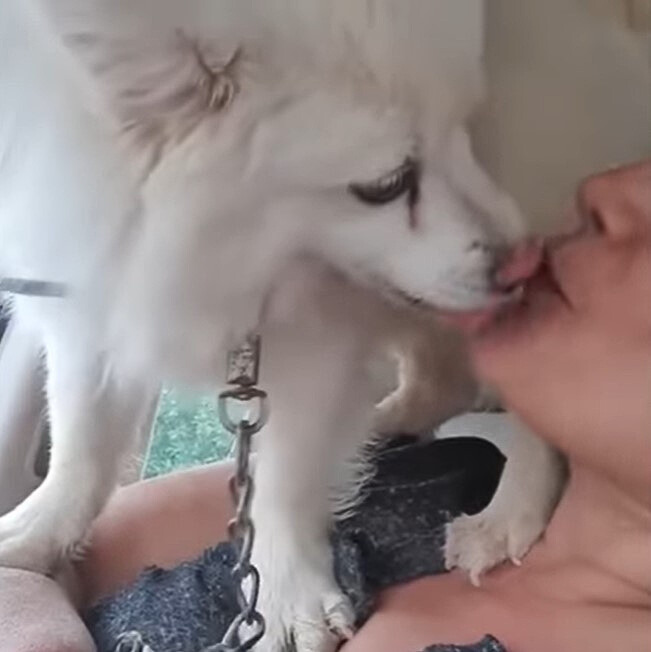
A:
[538,323]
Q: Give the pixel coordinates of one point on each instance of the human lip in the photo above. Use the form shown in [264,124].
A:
[512,280]
[521,265]
[541,302]
[548,273]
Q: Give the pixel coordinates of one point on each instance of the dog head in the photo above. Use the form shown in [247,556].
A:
[396,204]
[332,129]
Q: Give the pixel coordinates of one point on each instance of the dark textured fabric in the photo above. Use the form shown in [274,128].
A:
[396,535]
[489,644]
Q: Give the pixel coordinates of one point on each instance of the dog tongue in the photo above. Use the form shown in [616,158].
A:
[521,265]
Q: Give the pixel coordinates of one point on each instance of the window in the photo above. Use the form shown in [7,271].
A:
[186,433]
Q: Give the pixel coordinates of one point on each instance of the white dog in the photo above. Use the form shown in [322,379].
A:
[193,171]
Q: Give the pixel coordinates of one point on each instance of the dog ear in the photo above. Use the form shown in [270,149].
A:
[159,83]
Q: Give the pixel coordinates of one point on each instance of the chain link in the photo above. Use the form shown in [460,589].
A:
[131,642]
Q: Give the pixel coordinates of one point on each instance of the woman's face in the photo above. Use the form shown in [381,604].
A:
[576,354]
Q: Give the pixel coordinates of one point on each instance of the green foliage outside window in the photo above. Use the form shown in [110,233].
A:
[186,434]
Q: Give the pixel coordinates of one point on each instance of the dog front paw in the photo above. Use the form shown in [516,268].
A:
[476,544]
[38,536]
[25,544]
[303,608]
[306,623]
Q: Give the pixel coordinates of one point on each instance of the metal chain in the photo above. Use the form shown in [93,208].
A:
[243,368]
[248,627]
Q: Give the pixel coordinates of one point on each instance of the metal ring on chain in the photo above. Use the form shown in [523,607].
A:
[243,395]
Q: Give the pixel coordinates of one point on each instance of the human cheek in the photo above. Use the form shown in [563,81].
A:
[640,286]
[622,296]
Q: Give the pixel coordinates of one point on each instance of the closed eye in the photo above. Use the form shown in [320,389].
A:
[401,181]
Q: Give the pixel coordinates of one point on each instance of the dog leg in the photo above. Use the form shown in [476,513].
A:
[529,490]
[319,418]
[93,415]
[434,382]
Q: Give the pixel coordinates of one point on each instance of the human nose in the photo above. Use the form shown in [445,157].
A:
[617,204]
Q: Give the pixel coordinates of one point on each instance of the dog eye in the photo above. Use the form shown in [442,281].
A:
[390,187]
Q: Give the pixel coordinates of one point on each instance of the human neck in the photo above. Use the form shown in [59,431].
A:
[599,527]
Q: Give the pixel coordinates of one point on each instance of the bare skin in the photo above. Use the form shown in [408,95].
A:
[583,347]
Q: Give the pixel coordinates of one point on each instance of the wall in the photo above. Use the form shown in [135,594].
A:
[570,93]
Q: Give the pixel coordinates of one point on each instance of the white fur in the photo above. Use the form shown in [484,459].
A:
[179,224]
